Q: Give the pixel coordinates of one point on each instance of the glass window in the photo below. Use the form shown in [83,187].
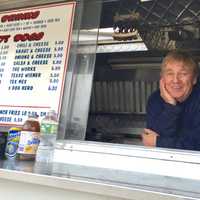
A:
[115,65]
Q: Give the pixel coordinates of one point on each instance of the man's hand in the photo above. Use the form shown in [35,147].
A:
[165,95]
[149,137]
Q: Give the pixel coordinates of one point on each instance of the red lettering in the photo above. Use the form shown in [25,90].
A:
[17,37]
[4,38]
[16,17]
[29,37]
[35,14]
[20,16]
[38,36]
[4,18]
[27,15]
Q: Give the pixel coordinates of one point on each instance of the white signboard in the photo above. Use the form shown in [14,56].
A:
[34,48]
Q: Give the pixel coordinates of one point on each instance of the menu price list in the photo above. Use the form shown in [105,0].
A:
[14,115]
[31,62]
[56,65]
[34,46]
[3,58]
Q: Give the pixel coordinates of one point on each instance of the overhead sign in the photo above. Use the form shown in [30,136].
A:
[34,48]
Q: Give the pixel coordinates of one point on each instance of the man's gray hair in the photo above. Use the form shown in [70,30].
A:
[181,56]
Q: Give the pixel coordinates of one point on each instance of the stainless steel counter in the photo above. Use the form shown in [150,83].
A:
[91,180]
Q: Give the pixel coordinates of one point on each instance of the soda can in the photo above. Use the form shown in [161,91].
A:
[12,142]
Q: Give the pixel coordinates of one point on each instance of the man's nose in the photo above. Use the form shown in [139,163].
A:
[176,78]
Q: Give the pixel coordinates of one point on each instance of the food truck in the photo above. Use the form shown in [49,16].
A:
[95,62]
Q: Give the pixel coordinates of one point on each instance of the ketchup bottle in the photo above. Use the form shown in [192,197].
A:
[29,138]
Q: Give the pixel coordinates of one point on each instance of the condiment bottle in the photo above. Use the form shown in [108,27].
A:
[29,138]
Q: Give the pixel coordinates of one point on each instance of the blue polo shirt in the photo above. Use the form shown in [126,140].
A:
[178,125]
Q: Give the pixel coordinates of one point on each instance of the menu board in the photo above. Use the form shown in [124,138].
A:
[34,49]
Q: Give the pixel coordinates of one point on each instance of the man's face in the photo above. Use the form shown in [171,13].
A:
[178,80]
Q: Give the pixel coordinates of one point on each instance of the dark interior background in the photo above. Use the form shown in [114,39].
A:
[119,96]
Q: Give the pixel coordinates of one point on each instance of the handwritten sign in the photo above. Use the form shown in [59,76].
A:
[34,48]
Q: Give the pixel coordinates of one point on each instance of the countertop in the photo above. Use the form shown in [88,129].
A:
[69,172]
[113,183]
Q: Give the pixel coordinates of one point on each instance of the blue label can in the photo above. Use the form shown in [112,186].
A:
[12,142]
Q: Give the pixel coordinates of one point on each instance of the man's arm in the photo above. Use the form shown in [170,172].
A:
[162,112]
[162,117]
[149,137]
[187,139]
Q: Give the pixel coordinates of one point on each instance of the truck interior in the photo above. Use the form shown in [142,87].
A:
[134,36]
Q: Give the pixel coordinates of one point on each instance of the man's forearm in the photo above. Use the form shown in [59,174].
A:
[166,122]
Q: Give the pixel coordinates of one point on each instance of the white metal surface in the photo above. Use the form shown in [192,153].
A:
[21,185]
[169,172]
[87,171]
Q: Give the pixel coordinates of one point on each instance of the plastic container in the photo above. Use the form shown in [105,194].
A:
[49,128]
[29,139]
